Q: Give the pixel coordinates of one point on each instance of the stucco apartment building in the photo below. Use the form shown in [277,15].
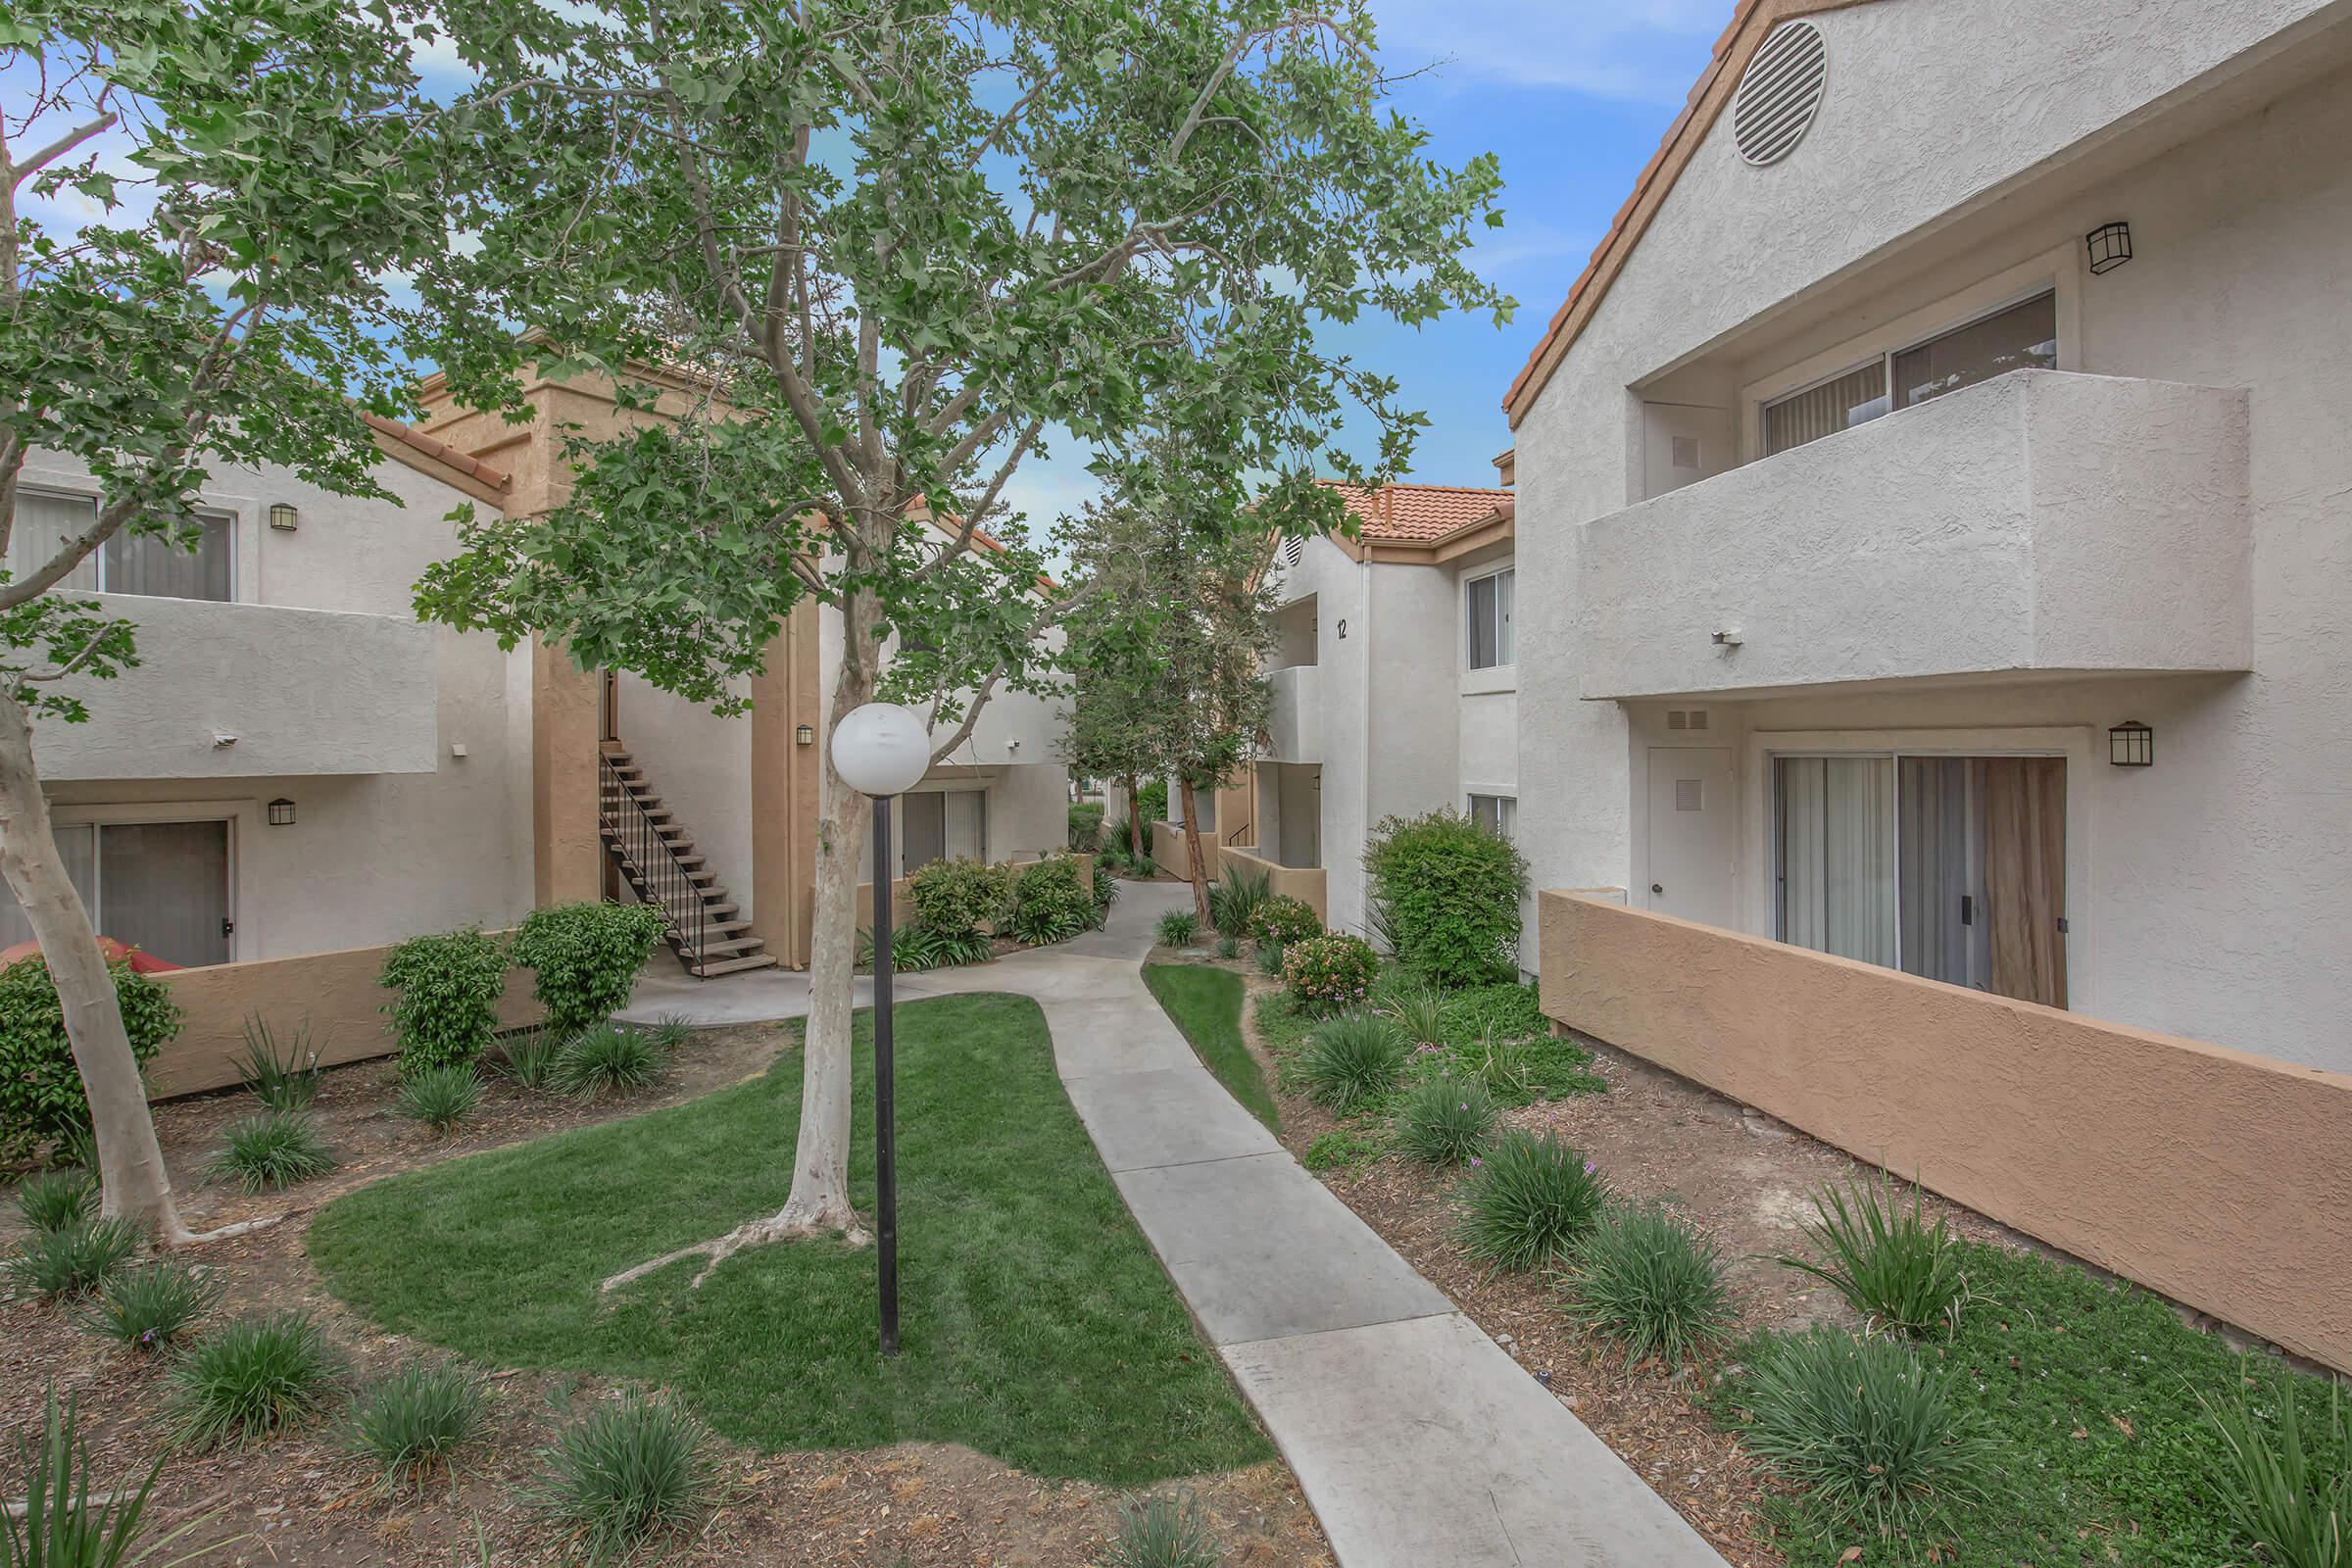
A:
[299,767]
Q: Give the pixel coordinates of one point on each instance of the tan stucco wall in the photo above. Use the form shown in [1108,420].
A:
[337,993]
[1302,882]
[566,854]
[785,777]
[1168,851]
[2221,1178]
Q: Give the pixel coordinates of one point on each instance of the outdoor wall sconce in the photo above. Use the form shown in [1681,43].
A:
[804,736]
[284,517]
[2131,744]
[281,813]
[2110,246]
[1342,628]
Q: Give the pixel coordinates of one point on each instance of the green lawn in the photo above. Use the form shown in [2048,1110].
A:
[1207,1005]
[1038,1326]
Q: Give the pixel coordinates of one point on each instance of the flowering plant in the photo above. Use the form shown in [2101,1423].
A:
[1329,971]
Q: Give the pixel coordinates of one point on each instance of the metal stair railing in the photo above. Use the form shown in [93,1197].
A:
[649,861]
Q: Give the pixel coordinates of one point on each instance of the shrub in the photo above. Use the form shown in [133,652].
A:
[57,1200]
[1505,1010]
[282,1074]
[1107,893]
[1152,805]
[415,1418]
[961,895]
[1866,1429]
[1179,928]
[1163,1533]
[272,1148]
[65,1523]
[1051,902]
[1330,971]
[1892,1267]
[40,1087]
[1446,1120]
[75,1260]
[628,1472]
[1282,921]
[584,958]
[1529,1200]
[529,1058]
[606,1059]
[1648,1280]
[150,1306]
[441,1096]
[1345,1147]
[255,1377]
[445,1003]
[1229,947]
[1238,896]
[1085,826]
[1450,890]
[1351,1059]
[2288,1490]
[1420,1012]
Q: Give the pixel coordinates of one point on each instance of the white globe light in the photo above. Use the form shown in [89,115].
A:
[881,748]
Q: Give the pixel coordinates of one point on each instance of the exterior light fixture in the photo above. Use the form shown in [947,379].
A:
[883,750]
[284,517]
[2131,744]
[281,813]
[804,736]
[2110,246]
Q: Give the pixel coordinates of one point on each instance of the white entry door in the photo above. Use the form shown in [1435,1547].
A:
[1693,840]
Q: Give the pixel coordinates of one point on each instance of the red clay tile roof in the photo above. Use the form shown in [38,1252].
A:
[1420,512]
[439,451]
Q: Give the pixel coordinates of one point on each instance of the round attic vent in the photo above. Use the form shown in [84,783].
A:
[1780,93]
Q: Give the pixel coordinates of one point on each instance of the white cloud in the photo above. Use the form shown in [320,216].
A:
[1638,50]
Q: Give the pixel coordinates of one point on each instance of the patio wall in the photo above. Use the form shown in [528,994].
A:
[1168,851]
[2219,1178]
[1302,882]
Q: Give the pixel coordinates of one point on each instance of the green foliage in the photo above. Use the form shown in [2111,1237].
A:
[1269,959]
[150,1306]
[1281,919]
[1052,901]
[1328,972]
[75,1149]
[67,1521]
[1229,947]
[1892,1267]
[629,1472]
[1164,1532]
[1353,1061]
[1506,1010]
[1451,891]
[1152,805]
[1346,1149]
[1445,1120]
[606,1059]
[412,1420]
[585,958]
[1866,1428]
[75,1260]
[916,948]
[1237,898]
[40,1089]
[961,896]
[2288,1487]
[1648,1280]
[282,1074]
[529,1058]
[255,1378]
[1085,826]
[1179,928]
[1420,1012]
[441,1096]
[671,1031]
[272,1149]
[446,988]
[1105,889]
[1529,1200]
[57,1200]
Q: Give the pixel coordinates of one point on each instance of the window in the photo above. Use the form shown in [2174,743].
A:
[943,825]
[161,887]
[148,564]
[2023,337]
[1499,814]
[1486,602]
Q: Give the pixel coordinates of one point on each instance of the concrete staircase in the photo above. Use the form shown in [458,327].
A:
[656,858]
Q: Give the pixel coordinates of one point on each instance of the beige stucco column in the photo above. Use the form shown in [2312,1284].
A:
[784,788]
[567,858]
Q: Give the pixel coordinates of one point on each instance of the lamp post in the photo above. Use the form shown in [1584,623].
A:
[881,749]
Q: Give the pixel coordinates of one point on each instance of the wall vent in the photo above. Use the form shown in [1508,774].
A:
[1686,719]
[1291,549]
[1780,93]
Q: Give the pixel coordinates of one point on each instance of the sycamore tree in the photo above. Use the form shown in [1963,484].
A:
[895,246]
[200,206]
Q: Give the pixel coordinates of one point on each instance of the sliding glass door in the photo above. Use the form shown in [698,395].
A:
[161,887]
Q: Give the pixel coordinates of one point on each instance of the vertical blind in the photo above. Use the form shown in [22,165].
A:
[1837,854]
[150,564]
[1853,399]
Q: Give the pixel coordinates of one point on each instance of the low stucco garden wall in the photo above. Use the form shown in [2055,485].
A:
[2219,1178]
[1302,882]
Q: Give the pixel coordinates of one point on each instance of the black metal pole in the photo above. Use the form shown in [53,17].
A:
[886,1131]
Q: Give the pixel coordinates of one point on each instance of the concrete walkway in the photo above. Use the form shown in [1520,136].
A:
[1419,1442]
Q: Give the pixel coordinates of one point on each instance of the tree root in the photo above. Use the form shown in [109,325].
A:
[180,1235]
[717,1249]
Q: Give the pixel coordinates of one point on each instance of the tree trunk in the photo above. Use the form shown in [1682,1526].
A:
[1135,819]
[1195,863]
[132,1178]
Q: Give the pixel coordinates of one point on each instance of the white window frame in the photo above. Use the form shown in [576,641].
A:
[1507,810]
[1507,636]
[231,517]
[899,845]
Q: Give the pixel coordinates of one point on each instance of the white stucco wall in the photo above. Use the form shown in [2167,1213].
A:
[701,766]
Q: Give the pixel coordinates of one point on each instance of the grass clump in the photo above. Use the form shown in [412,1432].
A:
[623,1475]
[1269,959]
[1651,1283]
[606,1059]
[1179,928]
[151,1306]
[1347,1148]
[1420,1012]
[1207,1007]
[75,1259]
[57,1517]
[442,1097]
[57,1201]
[529,1058]
[1353,1061]
[1229,947]
[283,1074]
[1235,899]
[1892,1267]
[671,1031]
[1446,1120]
[1866,1428]
[270,1149]
[258,1376]
[412,1420]
[1529,1200]
[1163,1532]
[2286,1481]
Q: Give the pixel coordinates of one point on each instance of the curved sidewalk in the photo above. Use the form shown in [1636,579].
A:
[1419,1442]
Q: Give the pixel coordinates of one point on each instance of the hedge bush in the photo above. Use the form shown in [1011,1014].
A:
[1052,901]
[1152,805]
[1282,921]
[1450,893]
[1329,971]
[1086,826]
[40,1089]
[956,897]
[584,959]
[446,988]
